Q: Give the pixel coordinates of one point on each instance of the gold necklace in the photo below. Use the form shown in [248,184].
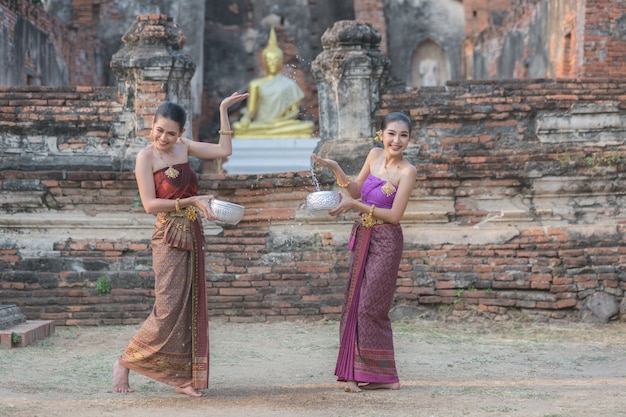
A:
[388,188]
[170,172]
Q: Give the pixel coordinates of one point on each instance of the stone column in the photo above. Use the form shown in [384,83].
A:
[194,45]
[350,73]
[152,68]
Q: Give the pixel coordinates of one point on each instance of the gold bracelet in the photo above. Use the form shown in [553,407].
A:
[225,132]
[345,184]
[367,219]
[178,205]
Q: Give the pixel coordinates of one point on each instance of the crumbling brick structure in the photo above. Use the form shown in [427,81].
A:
[518,208]
[38,50]
[544,39]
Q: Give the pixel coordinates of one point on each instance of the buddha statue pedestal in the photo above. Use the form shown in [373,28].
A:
[268,156]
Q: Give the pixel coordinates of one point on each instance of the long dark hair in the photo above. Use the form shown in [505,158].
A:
[395,117]
[172,111]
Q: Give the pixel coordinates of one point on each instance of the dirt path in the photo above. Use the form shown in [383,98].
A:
[267,370]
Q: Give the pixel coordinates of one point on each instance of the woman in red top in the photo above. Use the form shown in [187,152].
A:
[172,346]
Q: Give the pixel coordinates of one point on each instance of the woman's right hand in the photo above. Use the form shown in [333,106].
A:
[328,163]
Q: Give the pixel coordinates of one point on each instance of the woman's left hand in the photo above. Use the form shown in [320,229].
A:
[345,205]
[234,98]
[203,203]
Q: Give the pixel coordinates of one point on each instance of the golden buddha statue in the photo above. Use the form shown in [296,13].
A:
[273,105]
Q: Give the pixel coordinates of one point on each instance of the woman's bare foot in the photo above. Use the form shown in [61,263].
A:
[120,378]
[380,385]
[190,391]
[352,386]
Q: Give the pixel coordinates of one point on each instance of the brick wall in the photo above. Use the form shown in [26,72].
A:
[479,14]
[578,38]
[479,140]
[101,232]
[489,129]
[506,218]
[505,25]
[76,48]
[373,12]
[604,39]
[553,39]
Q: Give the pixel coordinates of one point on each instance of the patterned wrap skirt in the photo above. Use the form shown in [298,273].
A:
[172,345]
[366,351]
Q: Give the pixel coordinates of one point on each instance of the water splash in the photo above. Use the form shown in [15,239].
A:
[316,183]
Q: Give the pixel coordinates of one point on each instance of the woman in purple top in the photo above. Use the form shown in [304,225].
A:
[380,193]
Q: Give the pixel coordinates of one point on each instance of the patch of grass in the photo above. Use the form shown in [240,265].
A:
[103,285]
[594,162]
[586,359]
[499,409]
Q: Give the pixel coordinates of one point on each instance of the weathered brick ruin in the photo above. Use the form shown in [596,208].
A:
[544,39]
[518,208]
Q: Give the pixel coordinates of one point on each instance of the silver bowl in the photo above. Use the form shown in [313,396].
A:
[322,200]
[226,212]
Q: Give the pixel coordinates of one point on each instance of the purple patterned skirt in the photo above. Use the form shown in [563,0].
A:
[366,351]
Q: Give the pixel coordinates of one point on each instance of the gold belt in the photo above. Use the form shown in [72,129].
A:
[189,212]
[367,220]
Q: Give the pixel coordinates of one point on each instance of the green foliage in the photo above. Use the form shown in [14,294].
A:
[316,242]
[613,159]
[459,291]
[566,158]
[594,162]
[103,285]
[16,339]
[137,202]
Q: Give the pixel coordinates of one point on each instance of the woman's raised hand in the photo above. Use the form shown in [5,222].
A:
[234,98]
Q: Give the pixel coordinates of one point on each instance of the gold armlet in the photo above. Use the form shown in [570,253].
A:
[225,132]
[178,205]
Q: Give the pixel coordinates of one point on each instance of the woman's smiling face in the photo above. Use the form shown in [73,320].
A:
[165,133]
[396,137]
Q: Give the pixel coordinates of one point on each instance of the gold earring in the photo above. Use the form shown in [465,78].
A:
[378,137]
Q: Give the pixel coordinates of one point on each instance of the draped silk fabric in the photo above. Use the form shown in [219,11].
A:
[172,345]
[366,352]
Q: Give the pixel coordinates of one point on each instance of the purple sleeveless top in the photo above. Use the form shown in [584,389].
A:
[372,194]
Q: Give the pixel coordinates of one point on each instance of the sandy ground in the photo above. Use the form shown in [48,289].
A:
[286,369]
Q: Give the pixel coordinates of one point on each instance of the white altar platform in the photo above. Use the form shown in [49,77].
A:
[268,156]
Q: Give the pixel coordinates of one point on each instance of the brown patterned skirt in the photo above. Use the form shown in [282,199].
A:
[172,346]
